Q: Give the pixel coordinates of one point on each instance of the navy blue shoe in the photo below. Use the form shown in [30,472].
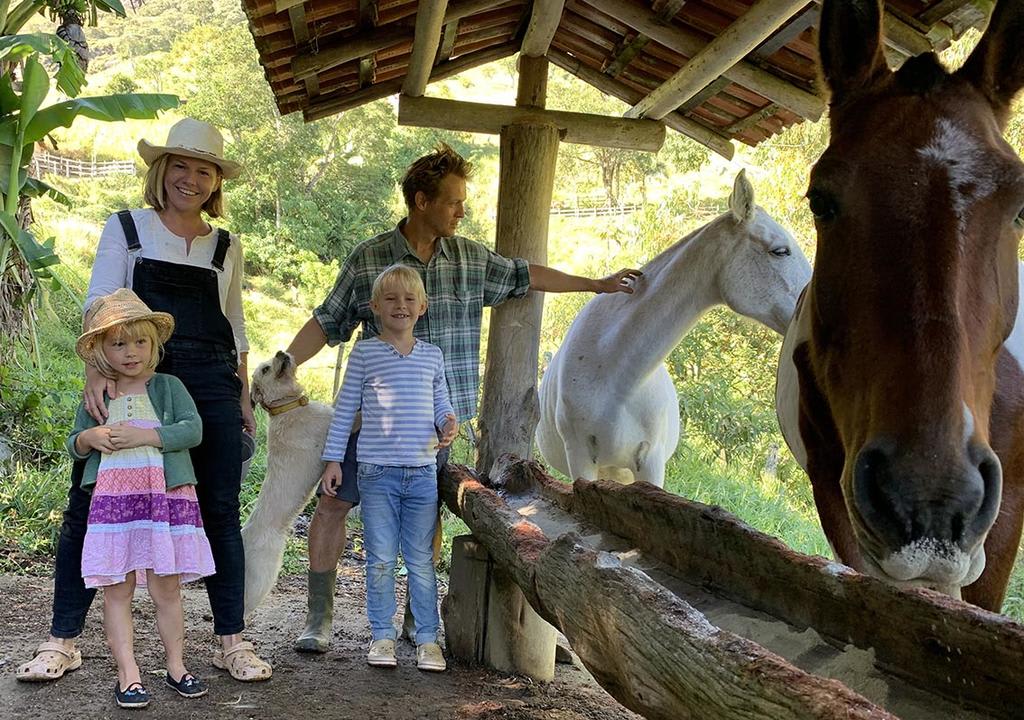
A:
[189,686]
[135,696]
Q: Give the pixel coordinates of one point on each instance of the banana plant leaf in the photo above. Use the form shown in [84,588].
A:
[69,75]
[37,255]
[109,108]
[34,187]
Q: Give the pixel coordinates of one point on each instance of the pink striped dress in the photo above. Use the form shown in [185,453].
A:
[135,522]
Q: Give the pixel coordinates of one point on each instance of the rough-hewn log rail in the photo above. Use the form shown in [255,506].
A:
[669,661]
[935,643]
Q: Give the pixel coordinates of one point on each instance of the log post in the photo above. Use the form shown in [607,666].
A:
[529,151]
[488,620]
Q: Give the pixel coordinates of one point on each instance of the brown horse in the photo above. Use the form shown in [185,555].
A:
[900,384]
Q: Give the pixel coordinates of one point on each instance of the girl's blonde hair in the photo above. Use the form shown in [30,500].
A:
[154,192]
[398,275]
[128,332]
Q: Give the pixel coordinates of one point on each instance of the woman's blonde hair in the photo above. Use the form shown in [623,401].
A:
[154,192]
[398,275]
[128,332]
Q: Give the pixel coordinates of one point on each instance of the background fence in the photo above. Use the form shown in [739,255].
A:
[69,167]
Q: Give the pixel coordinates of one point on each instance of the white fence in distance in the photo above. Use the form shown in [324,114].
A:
[70,167]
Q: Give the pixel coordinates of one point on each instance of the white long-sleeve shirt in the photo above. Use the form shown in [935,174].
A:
[114,264]
[404,399]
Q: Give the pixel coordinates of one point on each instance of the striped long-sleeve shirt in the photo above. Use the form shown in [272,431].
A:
[404,399]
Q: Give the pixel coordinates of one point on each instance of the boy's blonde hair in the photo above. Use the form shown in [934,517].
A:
[128,332]
[154,192]
[398,275]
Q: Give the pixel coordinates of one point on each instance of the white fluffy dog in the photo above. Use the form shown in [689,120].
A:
[295,441]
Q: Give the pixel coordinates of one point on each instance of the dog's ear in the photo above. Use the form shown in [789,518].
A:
[282,361]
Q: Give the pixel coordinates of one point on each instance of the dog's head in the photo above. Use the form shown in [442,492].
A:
[274,380]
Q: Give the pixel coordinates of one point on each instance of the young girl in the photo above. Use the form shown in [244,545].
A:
[399,382]
[144,525]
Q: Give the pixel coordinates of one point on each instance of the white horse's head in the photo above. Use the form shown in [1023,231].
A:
[763,269]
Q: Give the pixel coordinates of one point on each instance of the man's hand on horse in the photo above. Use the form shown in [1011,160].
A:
[621,281]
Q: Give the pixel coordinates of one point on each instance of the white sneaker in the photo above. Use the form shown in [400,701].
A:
[382,654]
[430,658]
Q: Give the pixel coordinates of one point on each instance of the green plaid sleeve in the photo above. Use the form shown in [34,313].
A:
[337,315]
[505,278]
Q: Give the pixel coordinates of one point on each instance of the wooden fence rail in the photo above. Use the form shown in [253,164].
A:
[70,167]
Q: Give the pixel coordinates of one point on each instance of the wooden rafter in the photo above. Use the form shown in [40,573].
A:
[731,46]
[940,11]
[808,18]
[543,23]
[448,38]
[429,21]
[332,105]
[687,43]
[681,124]
[581,128]
[329,55]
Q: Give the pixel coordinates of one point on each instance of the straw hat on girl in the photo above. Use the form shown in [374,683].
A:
[121,306]
[194,139]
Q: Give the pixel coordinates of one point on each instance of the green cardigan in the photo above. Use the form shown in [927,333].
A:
[180,429]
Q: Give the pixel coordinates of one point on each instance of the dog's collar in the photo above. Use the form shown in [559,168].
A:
[278,409]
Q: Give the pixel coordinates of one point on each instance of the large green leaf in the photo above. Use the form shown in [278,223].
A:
[8,98]
[33,187]
[37,256]
[108,108]
[111,6]
[69,75]
[35,83]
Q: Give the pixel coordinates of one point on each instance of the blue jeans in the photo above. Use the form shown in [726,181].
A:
[399,512]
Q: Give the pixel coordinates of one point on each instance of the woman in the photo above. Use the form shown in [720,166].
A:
[177,263]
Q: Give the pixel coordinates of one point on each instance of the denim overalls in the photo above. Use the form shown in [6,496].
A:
[201,353]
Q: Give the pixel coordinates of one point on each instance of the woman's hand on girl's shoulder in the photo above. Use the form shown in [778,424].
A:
[92,397]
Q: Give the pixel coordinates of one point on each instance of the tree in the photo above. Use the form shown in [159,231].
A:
[25,263]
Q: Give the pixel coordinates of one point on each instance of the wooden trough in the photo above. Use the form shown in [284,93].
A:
[680,610]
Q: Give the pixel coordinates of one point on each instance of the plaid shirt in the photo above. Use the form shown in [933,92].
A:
[461,278]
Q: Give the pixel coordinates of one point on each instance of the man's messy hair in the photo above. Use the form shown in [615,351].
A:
[425,174]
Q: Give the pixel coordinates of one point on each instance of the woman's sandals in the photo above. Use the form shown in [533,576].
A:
[242,662]
[50,661]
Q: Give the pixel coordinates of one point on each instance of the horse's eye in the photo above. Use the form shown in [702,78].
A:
[823,205]
[780,251]
[1019,220]
[263,371]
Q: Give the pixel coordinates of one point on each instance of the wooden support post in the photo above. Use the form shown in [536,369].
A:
[488,621]
[510,411]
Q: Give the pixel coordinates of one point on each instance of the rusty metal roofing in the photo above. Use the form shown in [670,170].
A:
[321,57]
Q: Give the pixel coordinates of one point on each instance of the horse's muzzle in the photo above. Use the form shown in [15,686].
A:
[924,515]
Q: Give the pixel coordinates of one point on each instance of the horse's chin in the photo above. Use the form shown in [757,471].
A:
[920,566]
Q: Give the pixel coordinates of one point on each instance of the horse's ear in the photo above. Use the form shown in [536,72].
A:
[996,67]
[741,202]
[850,46]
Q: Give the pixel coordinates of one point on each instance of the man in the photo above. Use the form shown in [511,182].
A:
[461,277]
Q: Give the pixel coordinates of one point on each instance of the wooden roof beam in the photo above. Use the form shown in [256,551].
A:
[678,122]
[429,21]
[805,104]
[722,53]
[332,105]
[581,128]
[337,53]
[543,23]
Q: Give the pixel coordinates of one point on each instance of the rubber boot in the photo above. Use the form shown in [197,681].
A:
[316,638]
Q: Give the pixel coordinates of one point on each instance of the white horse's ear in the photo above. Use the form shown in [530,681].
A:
[996,67]
[741,202]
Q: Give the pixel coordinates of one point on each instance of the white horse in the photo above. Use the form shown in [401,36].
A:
[608,408]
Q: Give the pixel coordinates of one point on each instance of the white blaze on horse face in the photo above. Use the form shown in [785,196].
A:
[967,164]
[968,424]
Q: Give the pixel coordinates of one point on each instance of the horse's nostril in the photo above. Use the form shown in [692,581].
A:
[873,496]
[990,471]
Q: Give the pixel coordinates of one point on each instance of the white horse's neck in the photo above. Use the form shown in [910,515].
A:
[677,287]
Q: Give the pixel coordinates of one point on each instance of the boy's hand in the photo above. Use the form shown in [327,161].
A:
[330,481]
[124,436]
[448,432]
[95,438]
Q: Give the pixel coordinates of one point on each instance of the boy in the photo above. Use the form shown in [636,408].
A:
[399,384]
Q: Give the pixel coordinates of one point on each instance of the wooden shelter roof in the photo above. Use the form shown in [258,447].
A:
[720,70]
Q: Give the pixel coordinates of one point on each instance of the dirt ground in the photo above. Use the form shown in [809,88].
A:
[338,684]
